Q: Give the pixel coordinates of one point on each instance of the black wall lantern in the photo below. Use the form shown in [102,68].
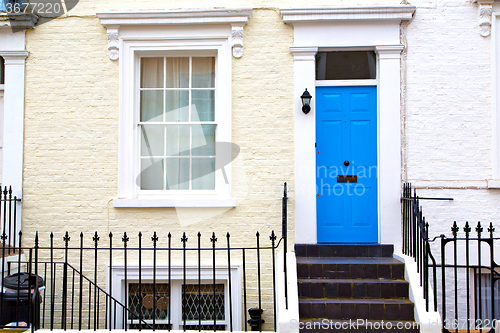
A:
[306,101]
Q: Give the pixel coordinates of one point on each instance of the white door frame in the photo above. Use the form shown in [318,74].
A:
[354,28]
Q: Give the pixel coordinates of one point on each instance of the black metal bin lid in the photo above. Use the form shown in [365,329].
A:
[11,281]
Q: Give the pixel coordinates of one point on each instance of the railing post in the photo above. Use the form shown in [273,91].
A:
[154,239]
[199,281]
[491,241]
[52,281]
[273,240]
[229,283]
[467,231]
[213,240]
[443,281]
[37,313]
[184,240]
[11,232]
[125,240]
[169,278]
[65,281]
[454,231]
[140,277]
[285,240]
[479,230]
[112,314]
[80,303]
[96,295]
[258,280]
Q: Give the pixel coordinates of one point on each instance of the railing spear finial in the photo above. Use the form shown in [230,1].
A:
[479,229]
[467,229]
[491,229]
[184,239]
[273,236]
[125,239]
[66,239]
[454,229]
[96,238]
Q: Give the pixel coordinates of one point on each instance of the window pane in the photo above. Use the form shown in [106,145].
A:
[152,174]
[177,108]
[177,173]
[203,140]
[345,65]
[203,108]
[152,140]
[177,73]
[204,72]
[151,72]
[203,173]
[190,302]
[141,300]
[152,105]
[178,140]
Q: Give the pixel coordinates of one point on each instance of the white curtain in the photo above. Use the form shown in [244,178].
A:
[183,150]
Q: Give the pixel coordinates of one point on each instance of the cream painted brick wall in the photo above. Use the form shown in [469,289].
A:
[71,145]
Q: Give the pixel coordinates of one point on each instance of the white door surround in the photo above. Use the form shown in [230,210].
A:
[349,28]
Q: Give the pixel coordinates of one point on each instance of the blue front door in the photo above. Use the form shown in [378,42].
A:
[346,164]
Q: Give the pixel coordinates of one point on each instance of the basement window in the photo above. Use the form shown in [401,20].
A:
[194,302]
[346,65]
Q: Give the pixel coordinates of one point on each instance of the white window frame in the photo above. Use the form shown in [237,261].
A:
[222,120]
[494,182]
[129,193]
[119,290]
[131,33]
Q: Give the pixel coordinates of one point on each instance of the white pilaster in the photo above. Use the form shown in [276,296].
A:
[389,92]
[305,152]
[13,125]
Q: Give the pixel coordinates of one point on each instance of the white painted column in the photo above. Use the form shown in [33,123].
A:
[389,92]
[305,152]
[13,126]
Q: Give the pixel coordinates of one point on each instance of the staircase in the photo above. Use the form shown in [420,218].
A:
[352,288]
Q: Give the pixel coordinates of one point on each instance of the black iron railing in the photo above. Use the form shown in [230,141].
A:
[416,241]
[9,220]
[142,274]
[465,278]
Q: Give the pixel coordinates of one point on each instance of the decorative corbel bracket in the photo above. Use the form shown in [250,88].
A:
[484,15]
[237,40]
[113,43]
[114,20]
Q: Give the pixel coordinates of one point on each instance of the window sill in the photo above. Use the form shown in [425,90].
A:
[494,184]
[177,202]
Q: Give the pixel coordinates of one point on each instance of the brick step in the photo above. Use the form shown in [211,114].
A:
[366,326]
[348,308]
[353,288]
[341,250]
[350,268]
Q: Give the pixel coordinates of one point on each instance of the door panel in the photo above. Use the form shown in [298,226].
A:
[346,131]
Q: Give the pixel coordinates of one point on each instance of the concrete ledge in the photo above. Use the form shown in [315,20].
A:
[287,319]
[430,322]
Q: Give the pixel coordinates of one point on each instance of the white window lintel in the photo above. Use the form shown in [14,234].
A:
[114,20]
[394,12]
